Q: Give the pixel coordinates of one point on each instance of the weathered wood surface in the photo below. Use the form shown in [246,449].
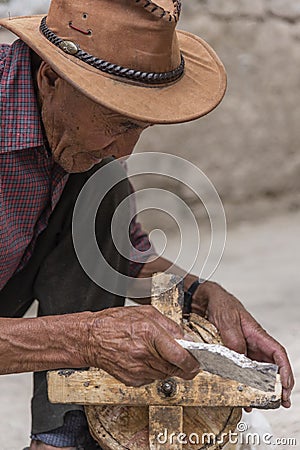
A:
[129,426]
[163,421]
[167,295]
[122,428]
[96,387]
[118,415]
[119,427]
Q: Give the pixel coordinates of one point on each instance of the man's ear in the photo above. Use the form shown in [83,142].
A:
[46,79]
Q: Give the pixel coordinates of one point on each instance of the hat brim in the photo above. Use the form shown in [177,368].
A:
[198,91]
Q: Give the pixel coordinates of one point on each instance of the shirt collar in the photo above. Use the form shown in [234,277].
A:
[20,122]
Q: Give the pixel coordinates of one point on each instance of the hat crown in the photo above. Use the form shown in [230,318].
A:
[139,34]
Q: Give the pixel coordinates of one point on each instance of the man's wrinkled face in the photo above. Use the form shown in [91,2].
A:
[81,132]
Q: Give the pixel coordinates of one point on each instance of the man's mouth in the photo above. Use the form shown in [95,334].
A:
[95,157]
[98,155]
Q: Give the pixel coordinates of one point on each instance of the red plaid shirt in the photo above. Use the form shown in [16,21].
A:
[31,183]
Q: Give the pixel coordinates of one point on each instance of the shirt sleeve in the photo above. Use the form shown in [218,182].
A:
[4,48]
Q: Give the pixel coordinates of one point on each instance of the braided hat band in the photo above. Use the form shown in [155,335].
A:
[73,49]
[158,11]
[165,75]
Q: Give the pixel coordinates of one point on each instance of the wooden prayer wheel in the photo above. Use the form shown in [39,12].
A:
[170,414]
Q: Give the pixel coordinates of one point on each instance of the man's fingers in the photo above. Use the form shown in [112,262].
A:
[170,351]
[186,375]
[286,375]
[286,403]
[179,361]
[159,319]
[281,359]
[265,348]
[274,352]
[163,369]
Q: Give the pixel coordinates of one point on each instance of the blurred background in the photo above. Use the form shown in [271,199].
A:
[249,149]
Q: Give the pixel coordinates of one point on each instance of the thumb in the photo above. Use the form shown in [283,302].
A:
[175,354]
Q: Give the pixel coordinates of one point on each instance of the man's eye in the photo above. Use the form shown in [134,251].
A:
[130,125]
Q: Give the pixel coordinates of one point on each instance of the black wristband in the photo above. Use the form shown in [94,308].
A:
[188,297]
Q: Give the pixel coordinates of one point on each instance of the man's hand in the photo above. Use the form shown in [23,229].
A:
[137,346]
[240,331]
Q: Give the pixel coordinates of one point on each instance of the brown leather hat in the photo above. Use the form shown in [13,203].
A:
[128,56]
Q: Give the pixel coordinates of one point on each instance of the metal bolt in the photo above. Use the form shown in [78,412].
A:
[167,388]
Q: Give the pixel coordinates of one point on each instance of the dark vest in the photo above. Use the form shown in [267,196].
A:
[53,274]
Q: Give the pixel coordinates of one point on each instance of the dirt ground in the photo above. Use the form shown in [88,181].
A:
[261,266]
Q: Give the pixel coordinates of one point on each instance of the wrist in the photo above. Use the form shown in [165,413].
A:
[63,339]
[188,281]
[190,295]
[204,288]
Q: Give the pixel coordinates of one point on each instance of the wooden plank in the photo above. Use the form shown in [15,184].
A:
[165,427]
[96,387]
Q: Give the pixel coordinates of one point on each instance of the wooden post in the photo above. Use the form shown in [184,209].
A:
[165,427]
[167,295]
[166,422]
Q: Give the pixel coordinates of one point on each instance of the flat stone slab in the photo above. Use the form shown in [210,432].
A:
[222,361]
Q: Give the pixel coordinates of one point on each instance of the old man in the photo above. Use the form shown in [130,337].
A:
[80,85]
